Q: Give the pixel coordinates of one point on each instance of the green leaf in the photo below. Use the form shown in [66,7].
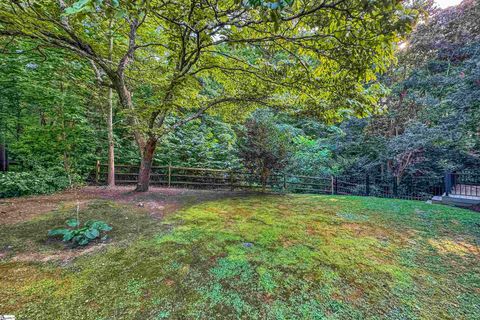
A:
[73,223]
[92,234]
[78,6]
[57,232]
[68,235]
[120,14]
[100,225]
[83,241]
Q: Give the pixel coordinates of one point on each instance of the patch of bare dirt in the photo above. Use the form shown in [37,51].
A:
[14,210]
[157,201]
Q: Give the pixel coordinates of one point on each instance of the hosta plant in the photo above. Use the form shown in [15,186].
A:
[79,234]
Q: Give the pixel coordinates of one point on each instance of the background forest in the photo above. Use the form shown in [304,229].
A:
[53,118]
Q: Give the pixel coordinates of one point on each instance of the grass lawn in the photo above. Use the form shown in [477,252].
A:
[255,257]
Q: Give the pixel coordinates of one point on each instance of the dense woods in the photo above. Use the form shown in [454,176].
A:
[186,83]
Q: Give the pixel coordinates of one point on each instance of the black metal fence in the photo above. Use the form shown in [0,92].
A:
[410,187]
[465,183]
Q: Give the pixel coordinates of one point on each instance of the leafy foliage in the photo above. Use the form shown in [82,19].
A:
[207,142]
[52,108]
[263,146]
[46,114]
[40,181]
[430,123]
[183,59]
[79,234]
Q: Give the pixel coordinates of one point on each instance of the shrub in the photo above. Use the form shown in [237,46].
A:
[81,235]
[15,184]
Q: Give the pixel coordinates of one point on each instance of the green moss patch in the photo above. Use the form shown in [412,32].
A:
[267,257]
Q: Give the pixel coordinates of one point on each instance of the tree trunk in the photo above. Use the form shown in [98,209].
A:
[111,145]
[125,99]
[66,154]
[146,147]
[265,174]
[146,165]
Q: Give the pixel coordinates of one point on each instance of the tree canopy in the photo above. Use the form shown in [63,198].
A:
[181,59]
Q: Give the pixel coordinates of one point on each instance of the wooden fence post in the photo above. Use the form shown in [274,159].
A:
[284,182]
[169,175]
[332,187]
[97,172]
[231,178]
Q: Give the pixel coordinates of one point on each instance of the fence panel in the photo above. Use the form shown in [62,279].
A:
[466,184]
[410,187]
[199,177]
[353,185]
[306,184]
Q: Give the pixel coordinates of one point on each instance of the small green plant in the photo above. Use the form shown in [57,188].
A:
[81,235]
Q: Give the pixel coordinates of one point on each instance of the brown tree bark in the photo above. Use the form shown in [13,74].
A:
[146,146]
[111,144]
[264,176]
[146,166]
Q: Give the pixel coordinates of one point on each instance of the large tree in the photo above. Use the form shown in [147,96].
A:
[184,58]
[264,147]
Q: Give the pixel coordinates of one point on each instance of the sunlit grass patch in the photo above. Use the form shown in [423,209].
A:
[460,248]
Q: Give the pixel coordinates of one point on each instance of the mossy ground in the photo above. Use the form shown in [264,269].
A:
[257,257]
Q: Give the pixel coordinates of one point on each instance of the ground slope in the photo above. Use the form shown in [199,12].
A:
[256,257]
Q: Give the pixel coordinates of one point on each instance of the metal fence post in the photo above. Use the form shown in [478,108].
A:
[367,185]
[395,187]
[3,158]
[448,183]
[335,185]
[453,180]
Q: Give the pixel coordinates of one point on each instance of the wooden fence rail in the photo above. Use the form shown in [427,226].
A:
[208,178]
